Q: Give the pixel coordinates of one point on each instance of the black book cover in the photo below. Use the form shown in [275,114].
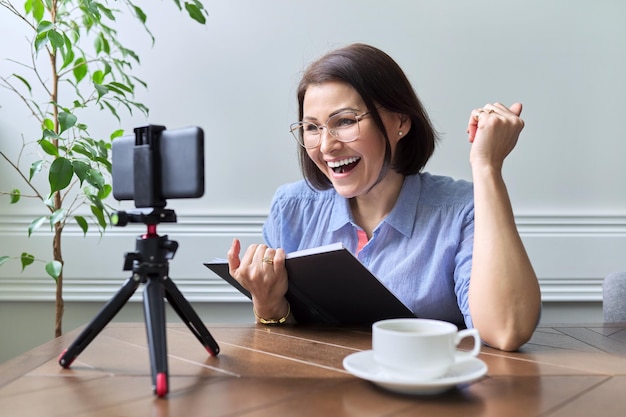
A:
[329,285]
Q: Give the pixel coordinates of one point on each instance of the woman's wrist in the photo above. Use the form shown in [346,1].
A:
[277,315]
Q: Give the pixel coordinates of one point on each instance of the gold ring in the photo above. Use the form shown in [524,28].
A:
[488,111]
[268,260]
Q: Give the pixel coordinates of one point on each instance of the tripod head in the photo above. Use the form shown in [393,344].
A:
[153,251]
[152,216]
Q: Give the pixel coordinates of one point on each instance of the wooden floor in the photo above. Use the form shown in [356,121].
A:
[566,370]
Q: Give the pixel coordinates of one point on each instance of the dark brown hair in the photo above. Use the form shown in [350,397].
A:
[380,81]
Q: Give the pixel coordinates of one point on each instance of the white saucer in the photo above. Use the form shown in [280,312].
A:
[363,365]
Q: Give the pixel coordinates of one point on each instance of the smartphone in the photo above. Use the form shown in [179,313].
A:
[180,156]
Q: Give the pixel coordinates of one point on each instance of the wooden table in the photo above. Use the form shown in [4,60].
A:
[565,370]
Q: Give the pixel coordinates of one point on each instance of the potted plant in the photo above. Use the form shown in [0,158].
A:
[79,62]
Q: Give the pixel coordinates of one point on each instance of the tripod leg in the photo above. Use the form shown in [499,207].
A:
[186,312]
[154,311]
[99,322]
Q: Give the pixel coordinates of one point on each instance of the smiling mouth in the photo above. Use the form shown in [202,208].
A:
[344,165]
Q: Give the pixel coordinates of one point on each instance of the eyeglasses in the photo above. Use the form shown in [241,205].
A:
[343,126]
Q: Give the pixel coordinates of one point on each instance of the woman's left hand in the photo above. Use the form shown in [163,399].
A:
[262,272]
[493,131]
[504,295]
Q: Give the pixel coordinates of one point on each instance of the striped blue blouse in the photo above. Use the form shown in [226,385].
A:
[422,251]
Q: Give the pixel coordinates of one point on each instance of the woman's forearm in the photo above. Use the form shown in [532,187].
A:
[504,295]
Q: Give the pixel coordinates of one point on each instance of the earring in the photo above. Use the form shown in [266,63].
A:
[400,133]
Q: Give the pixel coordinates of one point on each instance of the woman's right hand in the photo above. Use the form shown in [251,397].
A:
[262,272]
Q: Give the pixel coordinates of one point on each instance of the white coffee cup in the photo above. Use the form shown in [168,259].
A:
[419,349]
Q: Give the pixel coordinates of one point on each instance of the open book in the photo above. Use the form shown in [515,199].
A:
[328,284]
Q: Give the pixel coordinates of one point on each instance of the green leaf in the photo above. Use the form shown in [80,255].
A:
[48,147]
[103,148]
[15,196]
[3,259]
[118,133]
[141,107]
[78,148]
[54,268]
[118,91]
[26,260]
[102,90]
[50,134]
[66,121]
[82,223]
[49,201]
[105,45]
[38,9]
[121,86]
[99,213]
[81,169]
[68,57]
[87,21]
[56,39]
[57,216]
[97,77]
[105,191]
[67,51]
[80,69]
[44,27]
[60,174]
[99,44]
[34,225]
[95,201]
[196,11]
[142,82]
[132,54]
[88,144]
[112,109]
[22,79]
[35,168]
[72,31]
[95,178]
[48,124]
[140,14]
[107,68]
[40,41]
[105,11]
[103,161]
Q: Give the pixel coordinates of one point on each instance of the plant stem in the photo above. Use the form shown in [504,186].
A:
[58,227]
[59,304]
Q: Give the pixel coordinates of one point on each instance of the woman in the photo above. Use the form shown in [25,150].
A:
[448,249]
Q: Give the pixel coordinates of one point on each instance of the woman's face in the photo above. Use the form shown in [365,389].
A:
[352,167]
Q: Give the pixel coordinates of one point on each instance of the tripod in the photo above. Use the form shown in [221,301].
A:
[149,264]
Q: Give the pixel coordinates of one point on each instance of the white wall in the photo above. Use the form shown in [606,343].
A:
[236,77]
